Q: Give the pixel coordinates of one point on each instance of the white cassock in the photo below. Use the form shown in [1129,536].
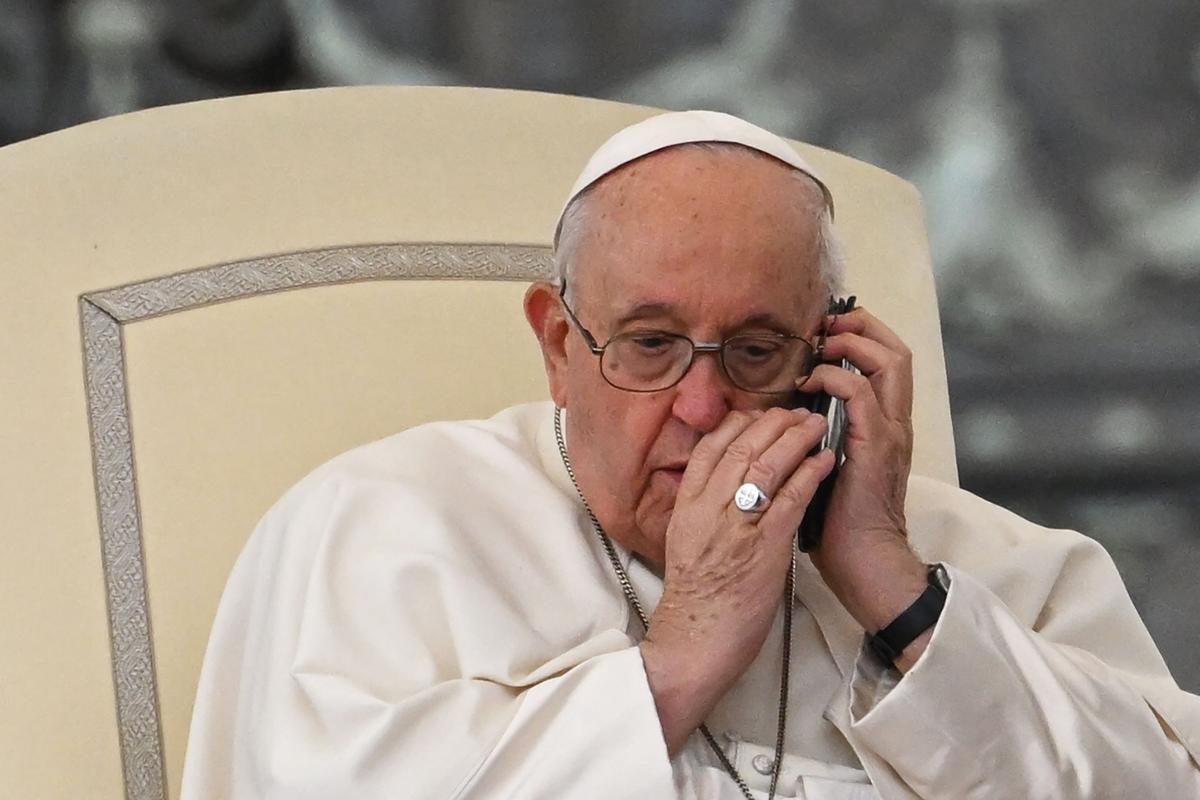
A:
[432,616]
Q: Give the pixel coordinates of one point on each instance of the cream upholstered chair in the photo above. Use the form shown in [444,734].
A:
[159,389]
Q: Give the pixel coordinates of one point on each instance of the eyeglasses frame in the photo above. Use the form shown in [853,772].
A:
[697,347]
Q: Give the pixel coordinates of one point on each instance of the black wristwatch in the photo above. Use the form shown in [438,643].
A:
[922,615]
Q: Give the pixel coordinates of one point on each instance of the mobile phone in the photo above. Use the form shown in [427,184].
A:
[808,535]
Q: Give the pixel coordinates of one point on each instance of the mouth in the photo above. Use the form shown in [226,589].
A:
[673,473]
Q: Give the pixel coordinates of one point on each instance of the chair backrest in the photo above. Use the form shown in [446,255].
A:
[160,388]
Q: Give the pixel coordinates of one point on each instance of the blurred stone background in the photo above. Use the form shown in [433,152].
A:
[1057,145]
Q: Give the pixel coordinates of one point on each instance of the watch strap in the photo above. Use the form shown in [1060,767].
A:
[919,617]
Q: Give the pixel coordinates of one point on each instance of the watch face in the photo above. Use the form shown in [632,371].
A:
[941,576]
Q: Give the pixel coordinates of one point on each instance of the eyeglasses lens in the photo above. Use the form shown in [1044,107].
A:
[647,362]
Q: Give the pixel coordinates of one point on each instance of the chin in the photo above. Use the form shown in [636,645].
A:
[652,531]
[652,517]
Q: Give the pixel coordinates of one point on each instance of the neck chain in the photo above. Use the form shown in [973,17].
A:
[636,605]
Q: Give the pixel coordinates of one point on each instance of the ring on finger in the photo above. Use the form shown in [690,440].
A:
[750,498]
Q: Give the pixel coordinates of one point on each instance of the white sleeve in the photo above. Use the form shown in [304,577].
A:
[995,709]
[589,732]
[343,665]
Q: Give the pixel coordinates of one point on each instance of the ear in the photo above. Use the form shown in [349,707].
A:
[550,326]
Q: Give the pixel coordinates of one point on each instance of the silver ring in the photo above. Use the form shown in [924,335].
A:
[750,498]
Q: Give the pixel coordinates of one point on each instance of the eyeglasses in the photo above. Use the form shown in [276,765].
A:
[650,361]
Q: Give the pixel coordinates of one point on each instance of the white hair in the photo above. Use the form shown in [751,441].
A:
[577,216]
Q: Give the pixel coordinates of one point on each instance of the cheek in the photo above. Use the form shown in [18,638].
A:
[621,428]
[629,430]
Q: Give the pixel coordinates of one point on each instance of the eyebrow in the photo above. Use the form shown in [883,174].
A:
[767,321]
[652,310]
[643,311]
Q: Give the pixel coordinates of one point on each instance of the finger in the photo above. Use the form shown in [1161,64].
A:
[730,472]
[868,355]
[864,323]
[862,406]
[790,501]
[709,450]
[782,457]
[889,372]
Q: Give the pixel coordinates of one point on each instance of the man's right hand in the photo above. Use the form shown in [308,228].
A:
[725,568]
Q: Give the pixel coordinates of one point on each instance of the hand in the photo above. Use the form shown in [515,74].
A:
[864,555]
[725,568]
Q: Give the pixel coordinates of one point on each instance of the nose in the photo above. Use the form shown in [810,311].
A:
[702,397]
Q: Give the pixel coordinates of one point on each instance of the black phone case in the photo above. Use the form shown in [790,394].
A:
[808,535]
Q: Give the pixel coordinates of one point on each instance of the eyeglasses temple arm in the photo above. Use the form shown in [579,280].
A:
[587,335]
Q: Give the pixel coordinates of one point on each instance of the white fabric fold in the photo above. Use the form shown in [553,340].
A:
[432,616]
[1049,721]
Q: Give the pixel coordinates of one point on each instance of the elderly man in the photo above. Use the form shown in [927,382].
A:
[604,598]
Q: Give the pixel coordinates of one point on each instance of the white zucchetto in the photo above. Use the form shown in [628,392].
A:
[683,127]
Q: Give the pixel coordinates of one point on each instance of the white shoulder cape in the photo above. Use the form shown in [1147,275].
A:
[431,616]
